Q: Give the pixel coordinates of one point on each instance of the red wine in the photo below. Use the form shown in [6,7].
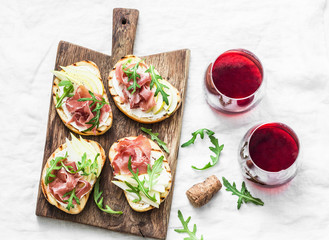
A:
[237,74]
[273,147]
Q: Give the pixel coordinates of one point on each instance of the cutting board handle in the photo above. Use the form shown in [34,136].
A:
[123,32]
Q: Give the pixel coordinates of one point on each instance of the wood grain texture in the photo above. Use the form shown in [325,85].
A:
[173,66]
[123,32]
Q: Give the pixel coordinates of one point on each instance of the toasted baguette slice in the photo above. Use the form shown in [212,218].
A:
[108,123]
[141,207]
[51,199]
[131,113]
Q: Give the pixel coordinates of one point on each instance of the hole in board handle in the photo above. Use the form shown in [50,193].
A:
[123,21]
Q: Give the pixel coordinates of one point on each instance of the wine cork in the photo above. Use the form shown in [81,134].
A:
[201,193]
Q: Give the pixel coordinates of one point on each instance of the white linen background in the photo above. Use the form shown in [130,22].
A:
[291,39]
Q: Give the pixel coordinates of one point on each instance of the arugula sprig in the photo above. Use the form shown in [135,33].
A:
[155,172]
[140,187]
[83,166]
[154,136]
[215,149]
[99,200]
[68,92]
[132,75]
[70,200]
[53,166]
[99,104]
[159,86]
[244,195]
[192,234]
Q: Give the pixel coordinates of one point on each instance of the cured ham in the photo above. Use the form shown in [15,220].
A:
[65,182]
[81,111]
[138,149]
[143,97]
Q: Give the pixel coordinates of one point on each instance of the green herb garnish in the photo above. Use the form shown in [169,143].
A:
[244,195]
[99,104]
[132,75]
[99,200]
[53,166]
[216,149]
[140,187]
[192,234]
[70,200]
[68,90]
[85,164]
[155,172]
[159,86]
[154,136]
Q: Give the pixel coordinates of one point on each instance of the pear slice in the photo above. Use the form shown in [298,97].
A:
[159,104]
[80,76]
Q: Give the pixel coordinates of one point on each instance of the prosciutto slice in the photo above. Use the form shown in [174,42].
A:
[140,151]
[80,111]
[65,182]
[143,97]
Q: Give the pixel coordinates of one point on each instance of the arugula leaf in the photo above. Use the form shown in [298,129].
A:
[159,86]
[99,104]
[154,136]
[134,190]
[155,172]
[53,166]
[132,75]
[141,184]
[99,200]
[85,164]
[195,134]
[70,200]
[216,149]
[192,234]
[68,90]
[244,195]
[94,166]
[67,168]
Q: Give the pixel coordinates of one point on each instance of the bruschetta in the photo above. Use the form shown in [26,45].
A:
[140,92]
[142,171]
[70,173]
[80,99]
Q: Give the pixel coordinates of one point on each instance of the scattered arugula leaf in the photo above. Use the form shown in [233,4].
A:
[99,104]
[216,149]
[192,235]
[68,90]
[154,136]
[195,134]
[99,200]
[141,185]
[244,195]
[70,200]
[132,75]
[53,166]
[155,172]
[159,86]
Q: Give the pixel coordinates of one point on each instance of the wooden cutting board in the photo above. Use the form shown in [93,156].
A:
[173,66]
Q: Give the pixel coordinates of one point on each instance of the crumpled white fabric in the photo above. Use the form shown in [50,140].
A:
[290,38]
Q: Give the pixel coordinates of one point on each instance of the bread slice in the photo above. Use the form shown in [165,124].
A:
[125,108]
[140,207]
[51,199]
[108,123]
